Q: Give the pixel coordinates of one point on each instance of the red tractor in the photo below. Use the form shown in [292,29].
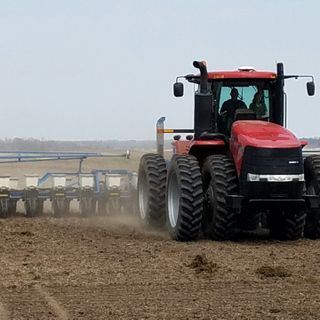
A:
[239,163]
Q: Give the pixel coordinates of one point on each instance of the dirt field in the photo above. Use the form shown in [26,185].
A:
[112,268]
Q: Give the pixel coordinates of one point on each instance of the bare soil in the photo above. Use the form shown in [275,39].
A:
[111,268]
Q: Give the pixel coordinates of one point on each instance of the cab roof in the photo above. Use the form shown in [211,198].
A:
[241,74]
[235,74]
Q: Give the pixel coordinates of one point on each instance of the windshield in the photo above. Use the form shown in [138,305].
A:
[255,97]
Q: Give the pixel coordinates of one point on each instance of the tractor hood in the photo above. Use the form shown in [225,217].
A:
[262,134]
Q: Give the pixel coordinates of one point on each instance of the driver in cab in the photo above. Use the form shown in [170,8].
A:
[229,108]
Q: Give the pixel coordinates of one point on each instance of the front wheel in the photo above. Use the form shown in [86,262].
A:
[219,180]
[286,225]
[184,198]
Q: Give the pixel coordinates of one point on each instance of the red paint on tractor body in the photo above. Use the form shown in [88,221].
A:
[184,146]
[241,75]
[259,134]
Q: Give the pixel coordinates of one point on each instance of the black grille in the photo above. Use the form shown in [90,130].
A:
[271,161]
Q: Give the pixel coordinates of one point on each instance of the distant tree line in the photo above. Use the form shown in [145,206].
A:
[313,142]
[31,144]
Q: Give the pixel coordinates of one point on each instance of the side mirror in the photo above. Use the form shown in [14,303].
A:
[311,88]
[178,89]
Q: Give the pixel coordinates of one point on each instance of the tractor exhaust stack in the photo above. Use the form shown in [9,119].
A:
[203,111]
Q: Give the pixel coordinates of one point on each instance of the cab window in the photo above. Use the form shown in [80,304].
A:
[255,98]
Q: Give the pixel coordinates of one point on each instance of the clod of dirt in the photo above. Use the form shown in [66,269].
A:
[276,271]
[275,310]
[37,277]
[201,264]
[27,233]
[13,286]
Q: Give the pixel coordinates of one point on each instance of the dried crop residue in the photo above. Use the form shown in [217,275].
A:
[201,264]
[273,271]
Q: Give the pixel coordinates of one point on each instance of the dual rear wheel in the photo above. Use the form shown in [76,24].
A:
[185,199]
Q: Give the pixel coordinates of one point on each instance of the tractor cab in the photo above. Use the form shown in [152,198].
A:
[222,97]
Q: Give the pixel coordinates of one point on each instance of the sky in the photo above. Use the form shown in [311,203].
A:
[100,69]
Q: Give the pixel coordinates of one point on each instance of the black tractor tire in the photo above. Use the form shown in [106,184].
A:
[151,190]
[286,225]
[184,198]
[249,221]
[312,227]
[263,220]
[219,179]
[312,177]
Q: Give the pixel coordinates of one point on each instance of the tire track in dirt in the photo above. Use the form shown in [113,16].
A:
[53,303]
